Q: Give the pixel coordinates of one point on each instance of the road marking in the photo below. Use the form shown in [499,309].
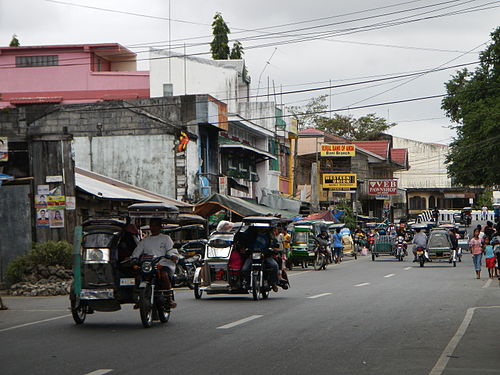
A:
[320,295]
[362,284]
[241,321]
[488,283]
[390,275]
[408,268]
[299,273]
[37,322]
[440,365]
[100,372]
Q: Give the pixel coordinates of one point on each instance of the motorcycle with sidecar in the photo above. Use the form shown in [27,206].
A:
[103,276]
[221,272]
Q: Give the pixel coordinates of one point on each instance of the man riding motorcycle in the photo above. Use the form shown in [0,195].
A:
[419,241]
[159,245]
[260,241]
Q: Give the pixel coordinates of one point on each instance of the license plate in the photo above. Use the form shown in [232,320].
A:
[420,252]
[311,253]
[143,284]
[127,281]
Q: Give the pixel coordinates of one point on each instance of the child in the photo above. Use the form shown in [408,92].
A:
[496,251]
[490,257]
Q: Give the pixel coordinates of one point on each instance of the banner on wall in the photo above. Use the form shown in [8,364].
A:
[42,218]
[338,150]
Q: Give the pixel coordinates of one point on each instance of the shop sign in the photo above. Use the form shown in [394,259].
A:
[382,187]
[338,150]
[339,181]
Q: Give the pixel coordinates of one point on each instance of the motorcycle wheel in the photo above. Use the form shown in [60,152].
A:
[421,261]
[454,264]
[264,293]
[289,264]
[197,292]
[256,287]
[355,254]
[162,309]
[79,312]
[373,257]
[318,262]
[180,277]
[145,308]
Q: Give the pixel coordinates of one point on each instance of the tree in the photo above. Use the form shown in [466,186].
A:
[236,51]
[473,103]
[219,46]
[369,127]
[309,115]
[14,42]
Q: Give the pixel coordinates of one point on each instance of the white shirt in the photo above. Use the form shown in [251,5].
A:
[157,246]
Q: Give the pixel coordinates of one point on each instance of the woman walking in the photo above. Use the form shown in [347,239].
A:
[476,249]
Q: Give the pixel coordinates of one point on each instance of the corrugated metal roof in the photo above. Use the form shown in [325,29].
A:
[109,188]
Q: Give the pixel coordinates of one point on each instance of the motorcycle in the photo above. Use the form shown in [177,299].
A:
[321,257]
[153,302]
[186,268]
[422,256]
[400,248]
[371,240]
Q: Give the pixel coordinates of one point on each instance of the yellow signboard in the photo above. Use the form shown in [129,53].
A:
[339,181]
[338,150]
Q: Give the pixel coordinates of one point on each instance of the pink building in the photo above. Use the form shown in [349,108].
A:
[69,74]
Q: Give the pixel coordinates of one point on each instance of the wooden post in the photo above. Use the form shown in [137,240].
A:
[51,155]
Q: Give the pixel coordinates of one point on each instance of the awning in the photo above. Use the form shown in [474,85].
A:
[237,206]
[233,184]
[107,188]
[242,146]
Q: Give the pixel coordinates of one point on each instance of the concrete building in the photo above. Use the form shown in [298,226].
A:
[426,182]
[255,150]
[373,160]
[68,74]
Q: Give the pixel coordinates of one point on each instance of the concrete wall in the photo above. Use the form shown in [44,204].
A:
[427,167]
[146,161]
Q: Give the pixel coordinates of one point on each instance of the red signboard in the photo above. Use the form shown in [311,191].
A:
[382,187]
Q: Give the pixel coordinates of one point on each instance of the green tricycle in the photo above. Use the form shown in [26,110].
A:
[302,246]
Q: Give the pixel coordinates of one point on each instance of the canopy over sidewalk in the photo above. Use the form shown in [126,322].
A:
[236,206]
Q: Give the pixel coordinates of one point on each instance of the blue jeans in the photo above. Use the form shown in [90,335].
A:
[476,258]
[337,251]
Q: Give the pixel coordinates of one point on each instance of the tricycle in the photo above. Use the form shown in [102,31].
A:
[104,277]
[237,262]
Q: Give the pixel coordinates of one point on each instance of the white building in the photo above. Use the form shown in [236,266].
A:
[427,164]
[250,154]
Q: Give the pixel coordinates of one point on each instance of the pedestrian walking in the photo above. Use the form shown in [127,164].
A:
[490,257]
[476,249]
[484,213]
[337,246]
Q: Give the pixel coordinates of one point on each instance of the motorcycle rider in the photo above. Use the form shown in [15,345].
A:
[157,245]
[261,241]
[419,240]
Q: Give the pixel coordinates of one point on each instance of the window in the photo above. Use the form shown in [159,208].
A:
[274,165]
[417,203]
[34,61]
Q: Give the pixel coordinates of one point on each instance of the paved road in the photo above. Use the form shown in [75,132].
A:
[359,317]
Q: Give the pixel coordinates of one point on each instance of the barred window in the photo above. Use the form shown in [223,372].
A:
[34,61]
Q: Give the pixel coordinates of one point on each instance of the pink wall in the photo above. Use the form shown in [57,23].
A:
[73,79]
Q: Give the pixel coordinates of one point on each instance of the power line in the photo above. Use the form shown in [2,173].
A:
[351,30]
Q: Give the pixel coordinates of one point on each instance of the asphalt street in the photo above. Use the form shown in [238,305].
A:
[359,317]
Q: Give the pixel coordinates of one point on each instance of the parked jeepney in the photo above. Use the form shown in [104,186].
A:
[104,278]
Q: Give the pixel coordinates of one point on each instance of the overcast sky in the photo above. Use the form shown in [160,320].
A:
[409,46]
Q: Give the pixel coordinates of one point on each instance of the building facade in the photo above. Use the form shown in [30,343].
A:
[67,74]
